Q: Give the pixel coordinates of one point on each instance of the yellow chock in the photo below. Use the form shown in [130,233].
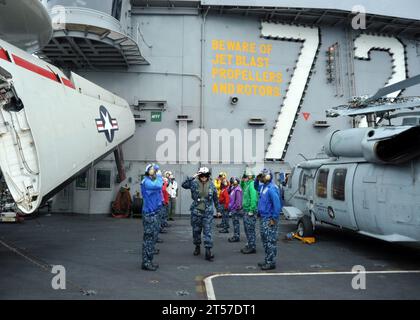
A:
[308,240]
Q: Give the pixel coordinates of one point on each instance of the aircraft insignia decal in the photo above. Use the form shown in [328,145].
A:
[106,124]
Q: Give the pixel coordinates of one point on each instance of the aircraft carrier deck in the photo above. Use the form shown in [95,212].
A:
[101,257]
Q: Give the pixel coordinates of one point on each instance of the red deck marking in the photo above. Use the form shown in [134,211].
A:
[34,68]
[4,55]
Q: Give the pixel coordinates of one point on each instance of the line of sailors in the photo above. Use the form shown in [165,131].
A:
[245,199]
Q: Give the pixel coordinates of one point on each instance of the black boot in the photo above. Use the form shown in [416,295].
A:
[209,255]
[233,239]
[149,267]
[197,250]
[268,267]
[248,250]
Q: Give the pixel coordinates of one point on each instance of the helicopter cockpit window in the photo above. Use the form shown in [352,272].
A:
[302,183]
[338,185]
[321,184]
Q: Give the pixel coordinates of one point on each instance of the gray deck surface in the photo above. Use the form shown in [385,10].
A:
[102,256]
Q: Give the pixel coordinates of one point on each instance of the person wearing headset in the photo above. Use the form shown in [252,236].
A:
[269,208]
[151,188]
[204,195]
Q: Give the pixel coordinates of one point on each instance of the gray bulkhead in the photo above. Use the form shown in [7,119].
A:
[177,43]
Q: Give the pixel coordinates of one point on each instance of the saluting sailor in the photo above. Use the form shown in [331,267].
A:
[151,188]
[249,205]
[204,195]
[269,207]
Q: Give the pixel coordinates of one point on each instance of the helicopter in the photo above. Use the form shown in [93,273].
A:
[368,180]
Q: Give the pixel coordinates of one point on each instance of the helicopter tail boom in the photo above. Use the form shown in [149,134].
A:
[386,145]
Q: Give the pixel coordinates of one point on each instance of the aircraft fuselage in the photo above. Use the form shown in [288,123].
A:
[380,201]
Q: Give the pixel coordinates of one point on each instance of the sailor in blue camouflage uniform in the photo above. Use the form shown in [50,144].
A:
[151,188]
[269,208]
[204,195]
[249,205]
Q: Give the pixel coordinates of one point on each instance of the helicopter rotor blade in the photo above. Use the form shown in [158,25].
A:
[394,87]
[409,103]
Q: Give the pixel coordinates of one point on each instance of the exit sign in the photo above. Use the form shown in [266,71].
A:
[156,116]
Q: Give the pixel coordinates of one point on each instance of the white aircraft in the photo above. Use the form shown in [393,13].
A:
[52,127]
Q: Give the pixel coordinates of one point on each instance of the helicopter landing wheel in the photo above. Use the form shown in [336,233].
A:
[305,227]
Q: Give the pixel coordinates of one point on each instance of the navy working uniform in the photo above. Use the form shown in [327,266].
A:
[204,195]
[250,204]
[269,207]
[235,207]
[151,188]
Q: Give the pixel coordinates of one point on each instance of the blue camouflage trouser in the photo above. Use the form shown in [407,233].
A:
[225,219]
[249,225]
[150,235]
[269,239]
[159,219]
[163,215]
[236,216]
[201,222]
